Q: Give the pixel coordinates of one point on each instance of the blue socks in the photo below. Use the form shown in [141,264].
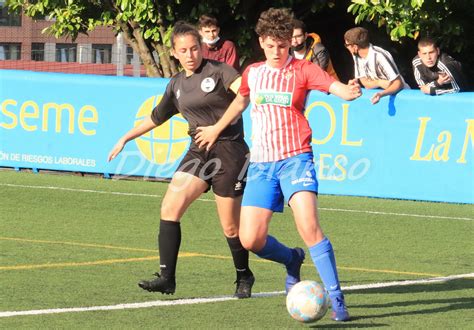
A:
[323,257]
[321,253]
[275,251]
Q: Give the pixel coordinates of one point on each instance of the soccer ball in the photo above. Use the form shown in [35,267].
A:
[307,301]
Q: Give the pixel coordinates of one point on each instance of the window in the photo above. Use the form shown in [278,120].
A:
[66,52]
[10,51]
[37,52]
[129,58]
[129,55]
[101,53]
[6,18]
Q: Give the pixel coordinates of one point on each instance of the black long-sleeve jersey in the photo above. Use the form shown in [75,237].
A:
[428,76]
[201,98]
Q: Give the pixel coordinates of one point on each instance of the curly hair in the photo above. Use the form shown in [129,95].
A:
[276,23]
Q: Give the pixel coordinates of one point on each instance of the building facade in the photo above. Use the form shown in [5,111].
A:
[24,46]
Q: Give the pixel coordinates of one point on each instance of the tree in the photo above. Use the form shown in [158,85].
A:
[448,20]
[146,25]
[142,23]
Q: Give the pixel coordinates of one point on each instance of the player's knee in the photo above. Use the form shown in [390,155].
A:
[252,243]
[230,231]
[169,211]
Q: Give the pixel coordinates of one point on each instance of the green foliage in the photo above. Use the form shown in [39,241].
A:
[147,24]
[444,19]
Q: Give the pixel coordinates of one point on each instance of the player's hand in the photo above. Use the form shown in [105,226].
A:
[376,97]
[354,88]
[116,150]
[353,82]
[206,136]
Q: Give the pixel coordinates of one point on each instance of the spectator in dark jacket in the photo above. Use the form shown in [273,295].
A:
[435,72]
[308,46]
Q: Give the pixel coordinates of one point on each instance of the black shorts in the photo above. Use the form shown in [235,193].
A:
[224,167]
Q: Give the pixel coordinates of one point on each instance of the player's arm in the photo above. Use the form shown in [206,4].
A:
[347,92]
[160,114]
[236,85]
[207,136]
[145,126]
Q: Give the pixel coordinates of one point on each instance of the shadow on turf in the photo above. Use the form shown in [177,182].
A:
[459,284]
[422,306]
[347,325]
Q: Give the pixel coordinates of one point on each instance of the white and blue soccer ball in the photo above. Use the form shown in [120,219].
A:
[307,301]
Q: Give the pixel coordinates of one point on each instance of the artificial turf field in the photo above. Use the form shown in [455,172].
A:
[73,249]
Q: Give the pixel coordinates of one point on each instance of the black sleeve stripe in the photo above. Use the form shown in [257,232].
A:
[380,52]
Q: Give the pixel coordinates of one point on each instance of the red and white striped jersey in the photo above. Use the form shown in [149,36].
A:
[279,128]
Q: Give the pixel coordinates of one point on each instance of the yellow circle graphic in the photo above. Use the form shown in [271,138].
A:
[166,143]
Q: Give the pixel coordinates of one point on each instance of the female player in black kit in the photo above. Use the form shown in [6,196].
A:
[201,93]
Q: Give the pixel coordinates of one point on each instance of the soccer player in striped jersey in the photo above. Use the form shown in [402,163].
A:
[374,67]
[281,158]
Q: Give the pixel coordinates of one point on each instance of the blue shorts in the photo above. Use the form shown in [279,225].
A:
[270,184]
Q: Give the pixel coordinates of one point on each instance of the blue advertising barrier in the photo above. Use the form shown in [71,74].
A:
[408,146]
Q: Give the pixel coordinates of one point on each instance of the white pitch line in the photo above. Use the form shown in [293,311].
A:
[78,190]
[211,200]
[397,214]
[193,301]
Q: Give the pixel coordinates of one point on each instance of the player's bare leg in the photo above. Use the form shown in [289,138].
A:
[254,223]
[305,211]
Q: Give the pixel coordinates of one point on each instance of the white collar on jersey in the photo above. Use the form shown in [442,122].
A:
[288,60]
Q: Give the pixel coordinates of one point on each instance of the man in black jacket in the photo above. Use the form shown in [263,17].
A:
[435,72]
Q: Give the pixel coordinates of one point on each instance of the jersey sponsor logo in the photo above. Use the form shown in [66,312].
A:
[307,181]
[273,98]
[208,85]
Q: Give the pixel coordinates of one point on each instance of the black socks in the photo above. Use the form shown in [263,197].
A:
[240,257]
[169,240]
